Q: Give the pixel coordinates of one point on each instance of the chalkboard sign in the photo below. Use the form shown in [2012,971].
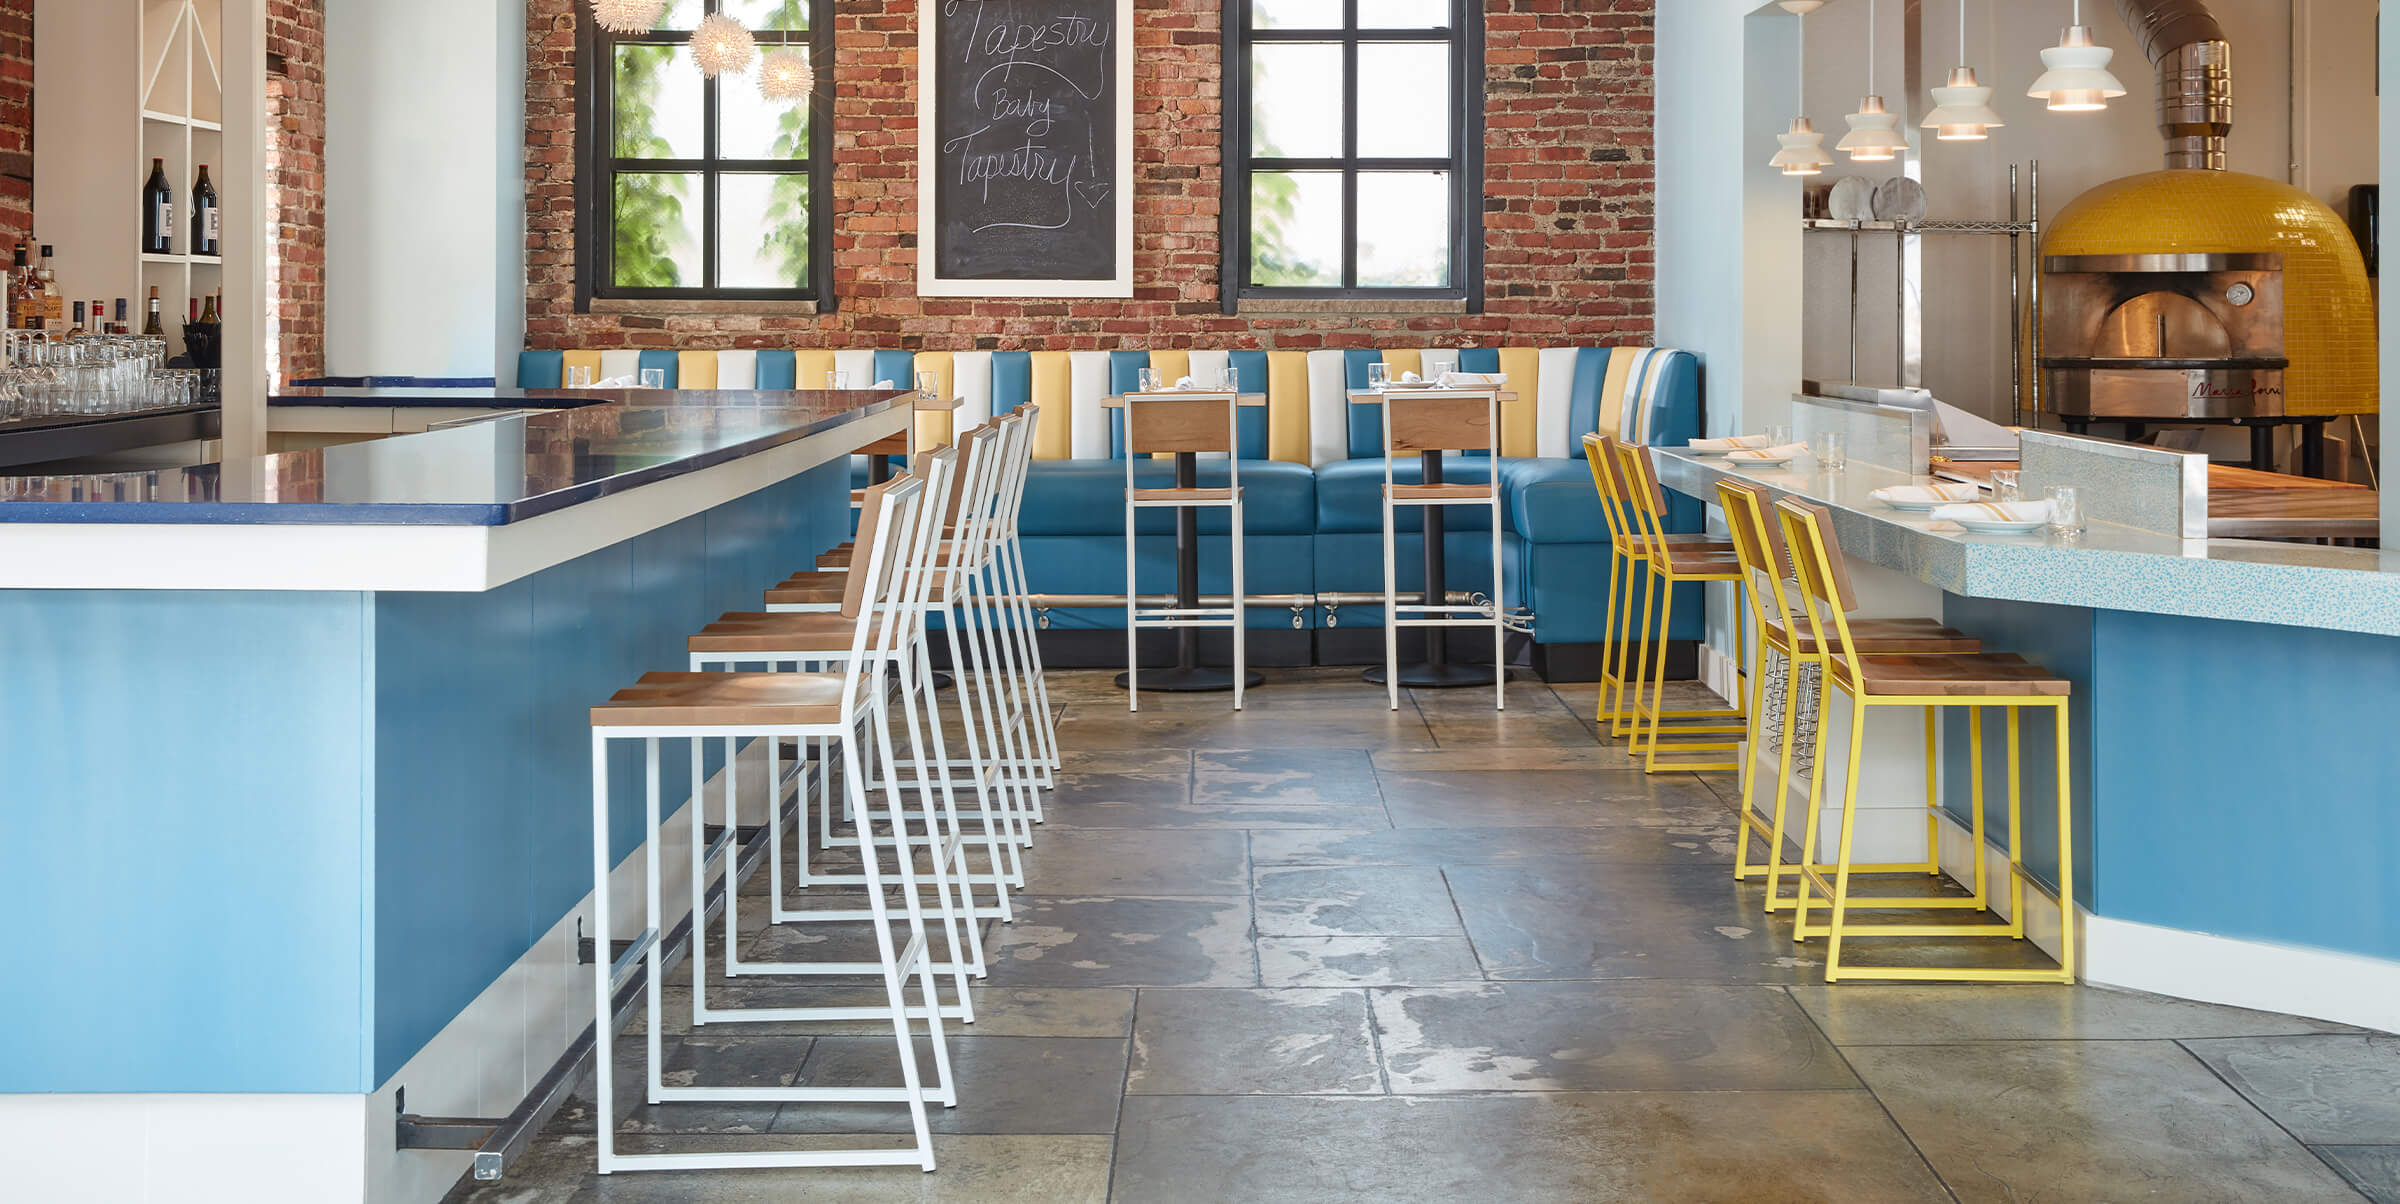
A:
[1025,148]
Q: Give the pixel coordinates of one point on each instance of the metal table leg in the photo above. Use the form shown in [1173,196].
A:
[1188,676]
[1436,672]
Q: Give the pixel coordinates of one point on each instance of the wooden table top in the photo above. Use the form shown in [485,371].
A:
[2244,503]
[1116,401]
[1368,397]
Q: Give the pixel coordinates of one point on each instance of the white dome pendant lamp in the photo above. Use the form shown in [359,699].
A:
[2075,78]
[1874,135]
[1963,111]
[1803,148]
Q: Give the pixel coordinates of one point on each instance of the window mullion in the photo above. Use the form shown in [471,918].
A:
[1350,100]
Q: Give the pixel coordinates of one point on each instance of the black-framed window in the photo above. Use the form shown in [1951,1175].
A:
[696,189]
[1353,149]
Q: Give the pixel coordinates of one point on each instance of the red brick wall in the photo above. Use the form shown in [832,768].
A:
[1568,247]
[296,190]
[16,124]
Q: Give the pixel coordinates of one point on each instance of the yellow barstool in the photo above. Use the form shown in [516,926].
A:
[1933,682]
[1783,632]
[1626,556]
[1671,562]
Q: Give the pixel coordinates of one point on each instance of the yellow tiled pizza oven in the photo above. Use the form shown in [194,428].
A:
[2200,216]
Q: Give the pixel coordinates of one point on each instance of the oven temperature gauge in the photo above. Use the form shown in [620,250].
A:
[2241,294]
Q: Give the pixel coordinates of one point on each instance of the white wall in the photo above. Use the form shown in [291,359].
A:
[1965,351]
[424,187]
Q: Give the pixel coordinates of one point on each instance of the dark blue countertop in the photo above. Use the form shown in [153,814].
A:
[487,473]
[391,397]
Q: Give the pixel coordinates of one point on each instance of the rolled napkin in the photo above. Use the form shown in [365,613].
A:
[619,382]
[1940,491]
[1411,378]
[885,384]
[1188,383]
[1455,379]
[1785,452]
[1994,512]
[1731,443]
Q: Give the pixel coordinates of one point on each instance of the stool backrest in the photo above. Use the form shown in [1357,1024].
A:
[867,578]
[1018,468]
[1157,422]
[1758,545]
[969,465]
[1644,505]
[1825,591]
[1423,422]
[1600,453]
[900,619]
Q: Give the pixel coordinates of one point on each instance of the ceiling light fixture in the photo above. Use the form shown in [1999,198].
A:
[2075,78]
[785,77]
[1803,148]
[627,16]
[1963,111]
[720,45]
[1874,135]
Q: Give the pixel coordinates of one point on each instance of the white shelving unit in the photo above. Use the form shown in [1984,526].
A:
[111,102]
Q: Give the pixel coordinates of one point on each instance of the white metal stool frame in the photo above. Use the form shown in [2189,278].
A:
[1438,612]
[945,839]
[1003,603]
[1009,568]
[1235,616]
[1012,697]
[861,687]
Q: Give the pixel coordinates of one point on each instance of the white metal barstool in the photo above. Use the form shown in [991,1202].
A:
[1010,580]
[1429,423]
[699,707]
[1184,423]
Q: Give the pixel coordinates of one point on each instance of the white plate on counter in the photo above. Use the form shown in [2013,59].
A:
[1994,526]
[1759,461]
[1918,507]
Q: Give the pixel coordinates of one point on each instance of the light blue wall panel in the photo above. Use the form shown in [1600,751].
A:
[2058,638]
[219,818]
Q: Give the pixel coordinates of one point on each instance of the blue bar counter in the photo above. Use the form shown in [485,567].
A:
[2237,796]
[295,764]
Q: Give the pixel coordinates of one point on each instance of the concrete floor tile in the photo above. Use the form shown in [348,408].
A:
[1384,900]
[1286,777]
[1366,961]
[1085,788]
[1585,1036]
[2089,1120]
[1566,919]
[2373,1169]
[1548,799]
[2328,1090]
[1253,1042]
[1090,941]
[1870,1014]
[1211,816]
[1526,1149]
[1303,727]
[1137,862]
[1005,1085]
[999,1011]
[970,1169]
[1698,845]
[713,1060]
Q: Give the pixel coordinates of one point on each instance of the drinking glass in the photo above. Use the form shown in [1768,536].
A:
[1832,452]
[1777,436]
[929,384]
[1148,380]
[1379,376]
[2004,486]
[2066,510]
[654,378]
[579,376]
[1228,380]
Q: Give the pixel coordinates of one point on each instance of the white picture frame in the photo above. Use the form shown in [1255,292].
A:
[930,281]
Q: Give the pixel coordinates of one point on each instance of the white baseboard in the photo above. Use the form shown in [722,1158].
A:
[1720,672]
[2318,983]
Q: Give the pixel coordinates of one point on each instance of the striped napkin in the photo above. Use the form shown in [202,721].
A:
[1994,512]
[1731,444]
[1455,379]
[1786,452]
[1940,491]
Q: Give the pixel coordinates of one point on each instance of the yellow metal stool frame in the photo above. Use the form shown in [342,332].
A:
[1975,682]
[1700,563]
[1761,550]
[1624,566]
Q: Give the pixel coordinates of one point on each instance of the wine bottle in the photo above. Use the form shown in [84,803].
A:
[158,212]
[155,329]
[206,218]
[77,328]
[20,293]
[194,320]
[208,312]
[100,317]
[124,322]
[54,299]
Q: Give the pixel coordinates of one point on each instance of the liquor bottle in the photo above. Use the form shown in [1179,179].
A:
[100,317]
[194,320]
[54,299]
[158,212]
[78,329]
[208,312]
[21,293]
[207,219]
[124,322]
[154,329]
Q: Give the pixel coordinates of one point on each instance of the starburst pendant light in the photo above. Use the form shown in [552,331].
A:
[1963,111]
[784,76]
[1874,135]
[627,16]
[1803,152]
[720,45]
[2076,77]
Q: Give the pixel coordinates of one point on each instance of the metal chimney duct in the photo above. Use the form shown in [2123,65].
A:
[2195,77]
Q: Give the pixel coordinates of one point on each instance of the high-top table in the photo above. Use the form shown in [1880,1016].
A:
[1436,672]
[1188,676]
[296,752]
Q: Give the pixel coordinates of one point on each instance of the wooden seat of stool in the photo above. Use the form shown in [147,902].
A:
[1700,561]
[1468,491]
[1186,495]
[726,700]
[805,595]
[775,631]
[1983,675]
[1881,637]
[816,579]
[889,445]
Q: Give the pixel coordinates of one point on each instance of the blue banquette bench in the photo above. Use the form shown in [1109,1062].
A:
[1312,468]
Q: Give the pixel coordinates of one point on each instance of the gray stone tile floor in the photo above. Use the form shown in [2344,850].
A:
[1325,951]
